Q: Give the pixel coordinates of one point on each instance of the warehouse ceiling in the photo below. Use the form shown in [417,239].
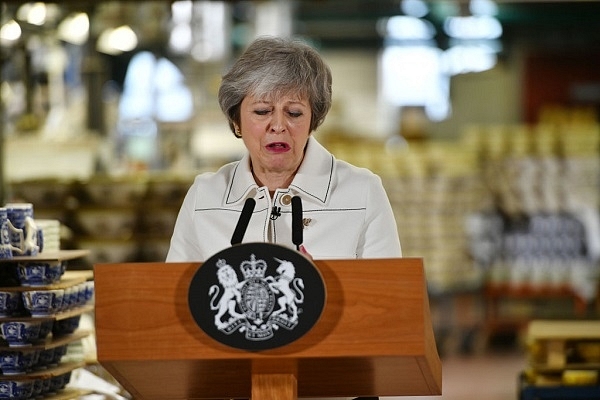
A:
[547,23]
[559,24]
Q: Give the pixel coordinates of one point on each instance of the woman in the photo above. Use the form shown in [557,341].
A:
[274,97]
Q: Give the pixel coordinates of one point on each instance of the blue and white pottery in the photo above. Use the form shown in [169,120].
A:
[66,378]
[40,273]
[38,386]
[18,212]
[24,232]
[59,382]
[66,326]
[20,333]
[7,232]
[4,230]
[46,357]
[69,298]
[6,252]
[89,291]
[46,328]
[46,385]
[13,389]
[43,303]
[10,303]
[81,293]
[56,383]
[59,352]
[17,362]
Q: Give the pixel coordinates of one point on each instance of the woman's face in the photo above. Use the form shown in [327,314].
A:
[275,132]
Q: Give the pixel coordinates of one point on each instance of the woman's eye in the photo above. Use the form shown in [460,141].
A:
[295,114]
[261,112]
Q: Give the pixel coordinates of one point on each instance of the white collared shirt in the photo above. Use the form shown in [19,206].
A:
[346,212]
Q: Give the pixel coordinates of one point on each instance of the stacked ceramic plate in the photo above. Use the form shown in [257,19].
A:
[51,233]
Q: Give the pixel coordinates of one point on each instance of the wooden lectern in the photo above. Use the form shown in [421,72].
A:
[374,337]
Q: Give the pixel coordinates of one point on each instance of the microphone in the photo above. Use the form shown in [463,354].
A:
[275,213]
[297,225]
[242,224]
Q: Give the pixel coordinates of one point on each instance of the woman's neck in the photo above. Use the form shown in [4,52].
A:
[273,181]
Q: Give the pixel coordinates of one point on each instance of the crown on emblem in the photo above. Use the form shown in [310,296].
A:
[221,263]
[253,268]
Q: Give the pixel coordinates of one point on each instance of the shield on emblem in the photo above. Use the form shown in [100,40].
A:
[256,296]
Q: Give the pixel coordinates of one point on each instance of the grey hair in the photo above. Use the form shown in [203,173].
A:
[271,67]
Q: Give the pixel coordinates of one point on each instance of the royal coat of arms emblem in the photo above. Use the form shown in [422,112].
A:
[257,296]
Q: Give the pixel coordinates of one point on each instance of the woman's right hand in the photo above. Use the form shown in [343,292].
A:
[305,252]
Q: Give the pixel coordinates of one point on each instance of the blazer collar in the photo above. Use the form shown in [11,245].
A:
[313,179]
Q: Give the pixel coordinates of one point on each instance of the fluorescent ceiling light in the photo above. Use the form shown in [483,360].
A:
[75,29]
[408,28]
[117,40]
[473,27]
[10,32]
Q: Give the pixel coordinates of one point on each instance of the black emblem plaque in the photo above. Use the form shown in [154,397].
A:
[257,296]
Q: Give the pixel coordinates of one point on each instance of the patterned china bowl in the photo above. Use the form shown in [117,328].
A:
[38,386]
[58,354]
[10,303]
[13,389]
[85,292]
[59,382]
[40,273]
[78,295]
[66,326]
[43,303]
[45,358]
[69,298]
[16,362]
[46,385]
[20,333]
[46,328]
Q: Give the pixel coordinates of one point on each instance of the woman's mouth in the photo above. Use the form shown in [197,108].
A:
[278,147]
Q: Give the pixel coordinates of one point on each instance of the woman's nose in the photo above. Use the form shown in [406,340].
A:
[278,122]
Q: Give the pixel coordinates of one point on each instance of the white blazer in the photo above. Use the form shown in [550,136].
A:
[346,212]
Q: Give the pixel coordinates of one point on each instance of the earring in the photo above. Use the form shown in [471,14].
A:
[237,132]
